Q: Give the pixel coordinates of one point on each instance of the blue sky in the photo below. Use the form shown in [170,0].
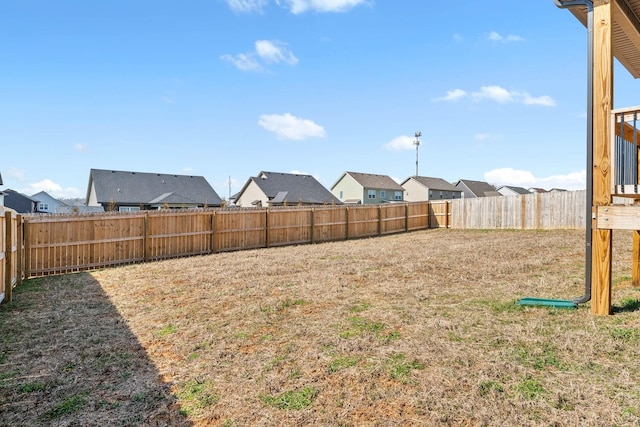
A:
[228,88]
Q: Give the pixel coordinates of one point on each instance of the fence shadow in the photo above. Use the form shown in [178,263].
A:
[67,357]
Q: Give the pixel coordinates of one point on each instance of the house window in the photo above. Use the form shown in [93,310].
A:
[383,194]
[341,195]
[129,209]
[397,195]
[371,194]
[430,194]
[43,207]
[441,194]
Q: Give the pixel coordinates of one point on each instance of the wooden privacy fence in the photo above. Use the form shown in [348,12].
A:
[10,252]
[55,244]
[542,211]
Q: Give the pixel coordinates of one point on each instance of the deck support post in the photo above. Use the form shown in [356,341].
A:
[601,188]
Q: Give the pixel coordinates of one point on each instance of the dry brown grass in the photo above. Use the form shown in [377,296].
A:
[410,329]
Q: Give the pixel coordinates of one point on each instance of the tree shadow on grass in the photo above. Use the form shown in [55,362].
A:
[67,357]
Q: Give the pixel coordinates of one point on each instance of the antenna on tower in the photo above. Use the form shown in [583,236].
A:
[418,134]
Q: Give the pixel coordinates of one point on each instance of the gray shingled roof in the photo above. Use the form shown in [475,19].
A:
[369,180]
[293,188]
[123,187]
[480,188]
[519,190]
[434,183]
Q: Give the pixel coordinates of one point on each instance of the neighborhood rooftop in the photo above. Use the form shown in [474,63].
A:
[149,188]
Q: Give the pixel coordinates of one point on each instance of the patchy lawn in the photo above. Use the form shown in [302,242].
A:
[410,329]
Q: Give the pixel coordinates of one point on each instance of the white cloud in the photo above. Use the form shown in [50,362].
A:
[495,37]
[287,126]
[526,179]
[80,147]
[301,6]
[457,38]
[275,52]
[266,52]
[545,101]
[247,5]
[500,95]
[495,93]
[400,143]
[55,190]
[243,61]
[452,95]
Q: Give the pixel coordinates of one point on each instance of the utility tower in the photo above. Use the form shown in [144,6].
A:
[417,144]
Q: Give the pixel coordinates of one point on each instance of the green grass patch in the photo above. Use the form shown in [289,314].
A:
[292,400]
[196,395]
[530,389]
[628,335]
[72,404]
[400,368]
[486,388]
[165,331]
[359,326]
[359,307]
[341,363]
[538,358]
[31,387]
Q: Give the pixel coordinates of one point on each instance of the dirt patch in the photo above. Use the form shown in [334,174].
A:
[412,329]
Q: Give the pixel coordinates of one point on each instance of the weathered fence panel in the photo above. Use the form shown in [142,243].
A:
[178,233]
[546,211]
[363,221]
[65,244]
[418,214]
[440,214]
[393,218]
[329,224]
[240,229]
[289,226]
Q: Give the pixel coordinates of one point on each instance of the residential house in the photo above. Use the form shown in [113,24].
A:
[133,191]
[508,190]
[19,202]
[1,193]
[471,188]
[281,189]
[421,188]
[47,203]
[367,188]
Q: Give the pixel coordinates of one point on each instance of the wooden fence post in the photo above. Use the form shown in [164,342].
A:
[20,248]
[406,217]
[379,220]
[214,238]
[346,228]
[313,222]
[266,227]
[145,238]
[8,271]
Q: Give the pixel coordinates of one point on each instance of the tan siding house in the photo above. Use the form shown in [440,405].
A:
[422,188]
[366,188]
